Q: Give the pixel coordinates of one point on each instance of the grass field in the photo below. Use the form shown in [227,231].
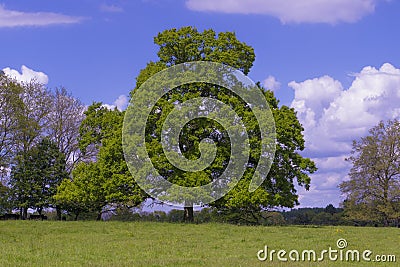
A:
[37,243]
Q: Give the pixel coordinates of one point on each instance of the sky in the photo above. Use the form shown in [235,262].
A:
[336,62]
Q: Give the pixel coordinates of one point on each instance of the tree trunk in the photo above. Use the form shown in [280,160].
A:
[58,210]
[188,214]
[25,214]
[98,217]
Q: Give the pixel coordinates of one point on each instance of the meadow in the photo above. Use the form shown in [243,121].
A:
[89,243]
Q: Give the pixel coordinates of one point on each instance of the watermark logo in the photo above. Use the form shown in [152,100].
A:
[144,104]
[340,253]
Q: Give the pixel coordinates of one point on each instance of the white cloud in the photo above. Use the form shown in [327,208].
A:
[111,8]
[333,117]
[332,163]
[120,103]
[271,83]
[12,18]
[27,75]
[289,11]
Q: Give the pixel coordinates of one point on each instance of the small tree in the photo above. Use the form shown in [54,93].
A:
[36,175]
[373,191]
[85,193]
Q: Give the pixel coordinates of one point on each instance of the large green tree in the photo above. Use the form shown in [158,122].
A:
[188,44]
[105,180]
[36,175]
[373,191]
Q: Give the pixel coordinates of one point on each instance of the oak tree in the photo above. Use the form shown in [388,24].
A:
[188,44]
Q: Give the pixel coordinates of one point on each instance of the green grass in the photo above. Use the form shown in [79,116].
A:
[36,243]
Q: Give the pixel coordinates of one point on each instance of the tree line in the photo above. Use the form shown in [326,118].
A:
[329,215]
[56,153]
[38,143]
[73,161]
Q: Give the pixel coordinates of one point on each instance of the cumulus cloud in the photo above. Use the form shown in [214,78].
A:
[13,18]
[111,8]
[120,103]
[333,117]
[271,83]
[288,11]
[27,75]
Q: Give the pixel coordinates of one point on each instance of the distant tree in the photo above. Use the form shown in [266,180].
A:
[188,44]
[36,175]
[373,191]
[330,209]
[322,218]
[318,216]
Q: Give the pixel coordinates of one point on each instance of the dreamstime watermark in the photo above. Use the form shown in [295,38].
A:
[144,104]
[339,253]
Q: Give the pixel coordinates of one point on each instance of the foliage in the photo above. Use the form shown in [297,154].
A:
[373,191]
[278,189]
[187,44]
[105,181]
[84,193]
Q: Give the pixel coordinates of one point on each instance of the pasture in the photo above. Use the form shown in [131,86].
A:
[88,243]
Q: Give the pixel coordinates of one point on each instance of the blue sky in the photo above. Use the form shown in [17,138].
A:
[335,61]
